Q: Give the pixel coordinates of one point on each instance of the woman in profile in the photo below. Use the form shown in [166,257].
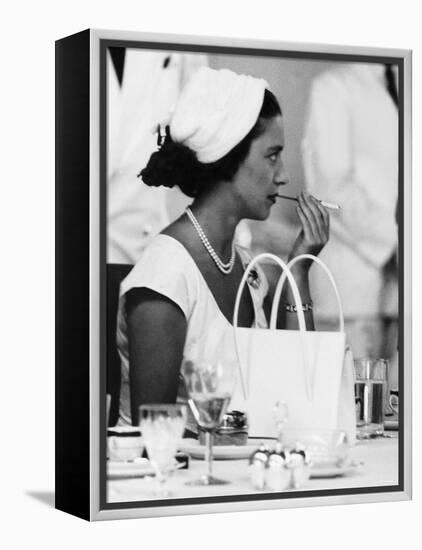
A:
[224,149]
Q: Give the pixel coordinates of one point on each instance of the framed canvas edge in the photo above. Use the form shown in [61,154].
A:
[95,290]
[229,42]
[96,513]
[406,374]
[249,506]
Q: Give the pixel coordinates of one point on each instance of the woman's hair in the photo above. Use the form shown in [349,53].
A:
[175,164]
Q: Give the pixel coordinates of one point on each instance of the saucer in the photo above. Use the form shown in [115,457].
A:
[219,452]
[335,471]
[139,467]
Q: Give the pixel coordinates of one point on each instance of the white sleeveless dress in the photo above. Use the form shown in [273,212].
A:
[167,268]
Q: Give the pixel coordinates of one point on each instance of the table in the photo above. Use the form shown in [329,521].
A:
[380,458]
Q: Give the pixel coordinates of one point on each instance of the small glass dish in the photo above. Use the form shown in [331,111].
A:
[325,448]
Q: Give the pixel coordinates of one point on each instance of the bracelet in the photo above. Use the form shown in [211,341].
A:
[291,308]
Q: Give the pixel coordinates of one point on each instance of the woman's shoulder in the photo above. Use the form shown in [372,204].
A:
[164,259]
[163,247]
[167,269]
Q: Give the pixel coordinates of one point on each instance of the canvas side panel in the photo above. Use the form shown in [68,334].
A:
[72,275]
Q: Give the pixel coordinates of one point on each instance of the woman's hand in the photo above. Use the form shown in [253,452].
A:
[315,231]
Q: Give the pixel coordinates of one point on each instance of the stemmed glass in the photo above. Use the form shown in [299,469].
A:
[162,428]
[209,385]
[280,417]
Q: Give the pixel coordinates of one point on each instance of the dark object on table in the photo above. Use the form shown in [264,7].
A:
[232,431]
[182,458]
[391,424]
[129,432]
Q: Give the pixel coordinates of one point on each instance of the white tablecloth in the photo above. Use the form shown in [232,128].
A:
[380,458]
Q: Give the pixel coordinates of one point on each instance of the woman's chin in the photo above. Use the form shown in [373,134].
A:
[260,213]
[264,214]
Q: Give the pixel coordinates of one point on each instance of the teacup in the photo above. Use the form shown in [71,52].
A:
[124,443]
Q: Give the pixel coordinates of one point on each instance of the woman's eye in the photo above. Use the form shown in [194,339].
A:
[273,157]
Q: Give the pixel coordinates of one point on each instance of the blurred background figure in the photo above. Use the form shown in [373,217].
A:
[350,154]
[142,88]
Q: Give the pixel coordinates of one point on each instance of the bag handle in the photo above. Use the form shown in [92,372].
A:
[280,284]
[301,317]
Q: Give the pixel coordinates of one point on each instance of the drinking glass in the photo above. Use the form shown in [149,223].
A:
[209,385]
[370,395]
[162,427]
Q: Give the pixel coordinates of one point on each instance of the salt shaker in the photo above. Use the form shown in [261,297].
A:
[299,465]
[257,466]
[277,475]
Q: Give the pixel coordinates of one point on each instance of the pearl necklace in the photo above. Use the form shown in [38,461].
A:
[224,268]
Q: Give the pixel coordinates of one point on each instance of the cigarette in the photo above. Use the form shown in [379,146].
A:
[329,205]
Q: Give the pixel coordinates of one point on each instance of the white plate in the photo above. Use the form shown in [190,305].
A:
[219,452]
[335,471]
[138,468]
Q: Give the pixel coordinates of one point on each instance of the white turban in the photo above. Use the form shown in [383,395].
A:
[215,111]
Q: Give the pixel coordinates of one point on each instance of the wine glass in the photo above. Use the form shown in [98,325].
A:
[209,385]
[162,427]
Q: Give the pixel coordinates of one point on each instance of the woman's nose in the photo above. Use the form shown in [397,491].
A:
[282,177]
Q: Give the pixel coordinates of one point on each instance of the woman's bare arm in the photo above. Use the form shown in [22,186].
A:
[156,333]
